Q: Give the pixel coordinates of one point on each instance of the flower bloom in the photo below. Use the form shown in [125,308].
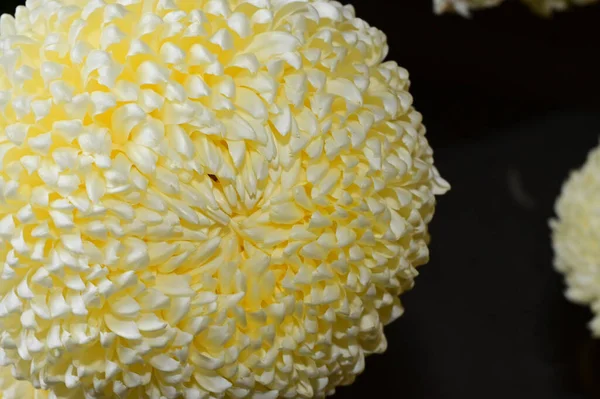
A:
[203,198]
[576,232]
[542,7]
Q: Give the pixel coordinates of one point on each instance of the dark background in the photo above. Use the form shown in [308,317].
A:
[511,105]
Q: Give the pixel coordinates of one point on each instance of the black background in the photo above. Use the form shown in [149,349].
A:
[511,105]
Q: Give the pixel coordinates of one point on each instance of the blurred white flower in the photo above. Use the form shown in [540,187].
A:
[542,7]
[576,236]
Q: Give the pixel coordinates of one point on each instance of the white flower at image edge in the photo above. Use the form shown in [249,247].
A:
[542,7]
[576,232]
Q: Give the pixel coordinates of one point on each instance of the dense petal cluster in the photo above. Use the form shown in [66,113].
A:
[203,198]
[576,236]
[14,389]
[542,7]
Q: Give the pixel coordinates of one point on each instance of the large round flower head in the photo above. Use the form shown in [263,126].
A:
[542,7]
[576,236]
[203,198]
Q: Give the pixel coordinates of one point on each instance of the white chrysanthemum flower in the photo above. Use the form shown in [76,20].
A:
[203,198]
[543,7]
[576,236]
